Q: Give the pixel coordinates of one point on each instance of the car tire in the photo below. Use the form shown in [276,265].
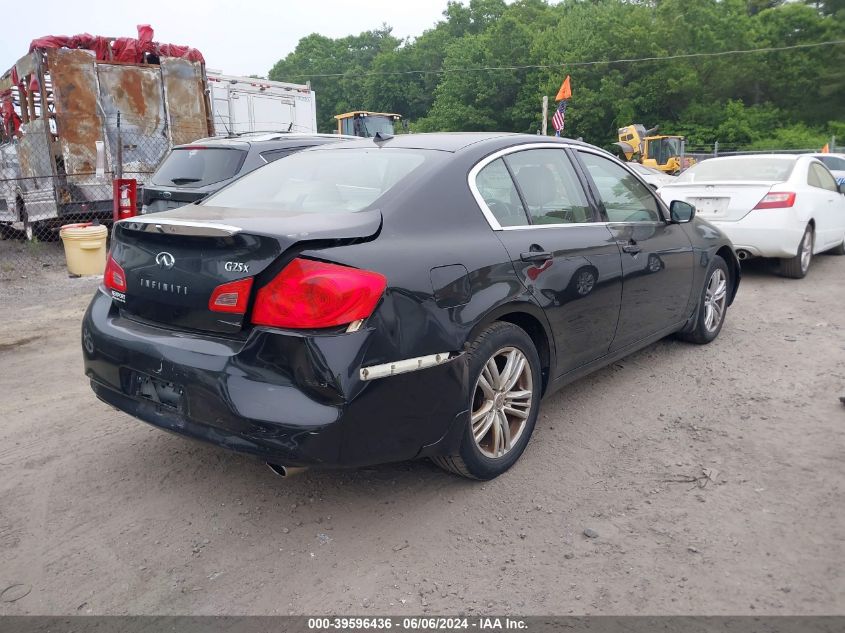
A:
[712,305]
[485,454]
[797,267]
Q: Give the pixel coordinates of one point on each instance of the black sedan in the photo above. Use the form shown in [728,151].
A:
[397,298]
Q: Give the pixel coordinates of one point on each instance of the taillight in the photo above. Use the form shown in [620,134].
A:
[231,297]
[776,200]
[114,278]
[311,294]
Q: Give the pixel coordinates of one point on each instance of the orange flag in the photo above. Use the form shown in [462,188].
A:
[826,149]
[565,91]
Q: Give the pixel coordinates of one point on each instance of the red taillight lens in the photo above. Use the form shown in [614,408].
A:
[776,200]
[231,297]
[310,294]
[114,278]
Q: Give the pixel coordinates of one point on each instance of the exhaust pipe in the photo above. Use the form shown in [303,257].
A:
[743,255]
[286,471]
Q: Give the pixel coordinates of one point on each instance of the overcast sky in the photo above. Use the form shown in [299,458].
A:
[237,37]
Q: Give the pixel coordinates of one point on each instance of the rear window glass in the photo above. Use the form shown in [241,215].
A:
[751,168]
[331,181]
[198,166]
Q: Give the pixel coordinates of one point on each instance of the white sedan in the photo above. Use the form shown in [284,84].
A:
[783,206]
[653,177]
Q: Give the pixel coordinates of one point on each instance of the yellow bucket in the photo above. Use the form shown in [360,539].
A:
[85,248]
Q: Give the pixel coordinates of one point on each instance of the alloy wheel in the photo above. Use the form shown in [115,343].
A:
[806,251]
[501,402]
[715,298]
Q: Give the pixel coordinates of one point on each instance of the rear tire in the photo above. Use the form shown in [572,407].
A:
[503,404]
[713,304]
[797,267]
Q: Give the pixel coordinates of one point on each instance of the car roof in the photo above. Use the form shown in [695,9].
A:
[456,141]
[278,139]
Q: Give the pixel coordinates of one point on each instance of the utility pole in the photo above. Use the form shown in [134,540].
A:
[715,149]
[544,127]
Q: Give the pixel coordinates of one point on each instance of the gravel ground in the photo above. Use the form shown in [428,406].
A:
[102,514]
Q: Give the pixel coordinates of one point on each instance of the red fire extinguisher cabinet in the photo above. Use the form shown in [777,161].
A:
[125,191]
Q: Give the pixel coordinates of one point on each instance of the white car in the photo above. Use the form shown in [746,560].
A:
[835,163]
[653,177]
[784,206]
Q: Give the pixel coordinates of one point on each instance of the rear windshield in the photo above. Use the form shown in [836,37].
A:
[330,181]
[198,166]
[750,168]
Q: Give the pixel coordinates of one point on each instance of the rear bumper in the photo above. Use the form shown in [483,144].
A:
[765,232]
[286,397]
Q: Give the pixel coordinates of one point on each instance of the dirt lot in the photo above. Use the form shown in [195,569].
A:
[101,514]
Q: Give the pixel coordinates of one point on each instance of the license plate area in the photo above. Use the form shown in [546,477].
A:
[162,392]
[711,206]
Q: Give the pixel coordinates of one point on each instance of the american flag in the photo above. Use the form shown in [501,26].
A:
[558,117]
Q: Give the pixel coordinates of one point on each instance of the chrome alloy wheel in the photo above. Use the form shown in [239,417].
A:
[501,402]
[715,298]
[806,251]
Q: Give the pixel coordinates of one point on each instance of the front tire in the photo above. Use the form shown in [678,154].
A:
[797,267]
[505,386]
[713,305]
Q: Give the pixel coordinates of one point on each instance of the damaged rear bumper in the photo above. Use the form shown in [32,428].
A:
[287,397]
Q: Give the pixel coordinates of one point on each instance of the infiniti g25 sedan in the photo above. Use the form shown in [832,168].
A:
[397,298]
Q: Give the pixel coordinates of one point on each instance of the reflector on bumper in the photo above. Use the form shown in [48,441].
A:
[403,366]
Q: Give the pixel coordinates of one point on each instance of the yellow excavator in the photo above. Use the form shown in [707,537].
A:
[660,151]
[365,123]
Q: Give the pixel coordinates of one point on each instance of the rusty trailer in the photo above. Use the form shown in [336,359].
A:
[72,119]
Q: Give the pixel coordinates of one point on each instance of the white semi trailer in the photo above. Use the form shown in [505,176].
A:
[247,104]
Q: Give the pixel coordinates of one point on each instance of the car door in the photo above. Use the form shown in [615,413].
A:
[828,209]
[657,257]
[533,198]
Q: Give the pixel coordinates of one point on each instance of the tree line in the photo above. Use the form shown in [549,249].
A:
[486,65]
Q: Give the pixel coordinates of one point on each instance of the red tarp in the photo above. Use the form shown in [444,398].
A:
[122,49]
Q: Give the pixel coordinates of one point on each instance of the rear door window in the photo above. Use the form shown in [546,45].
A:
[495,185]
[549,186]
[625,198]
[198,166]
[820,177]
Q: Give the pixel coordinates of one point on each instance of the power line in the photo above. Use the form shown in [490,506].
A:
[629,60]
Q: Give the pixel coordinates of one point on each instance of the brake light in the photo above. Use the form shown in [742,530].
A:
[231,297]
[311,294]
[776,200]
[114,278]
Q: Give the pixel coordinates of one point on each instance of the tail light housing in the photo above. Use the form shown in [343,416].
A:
[114,278]
[231,297]
[310,294]
[776,200]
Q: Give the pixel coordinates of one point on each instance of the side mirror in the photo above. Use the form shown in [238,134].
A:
[681,212]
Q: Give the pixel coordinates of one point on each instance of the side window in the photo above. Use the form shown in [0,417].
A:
[549,186]
[625,198]
[820,177]
[276,154]
[495,185]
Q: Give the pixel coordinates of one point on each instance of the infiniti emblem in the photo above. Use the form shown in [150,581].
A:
[165,260]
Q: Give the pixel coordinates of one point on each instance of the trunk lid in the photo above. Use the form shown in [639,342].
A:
[174,260]
[727,201]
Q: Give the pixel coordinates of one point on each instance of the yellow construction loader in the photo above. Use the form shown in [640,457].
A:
[366,124]
[660,151]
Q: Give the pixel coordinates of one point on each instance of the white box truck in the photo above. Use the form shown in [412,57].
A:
[247,104]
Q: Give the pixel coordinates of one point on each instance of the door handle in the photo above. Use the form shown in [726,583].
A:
[535,256]
[631,247]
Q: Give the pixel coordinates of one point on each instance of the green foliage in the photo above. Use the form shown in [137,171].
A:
[440,80]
